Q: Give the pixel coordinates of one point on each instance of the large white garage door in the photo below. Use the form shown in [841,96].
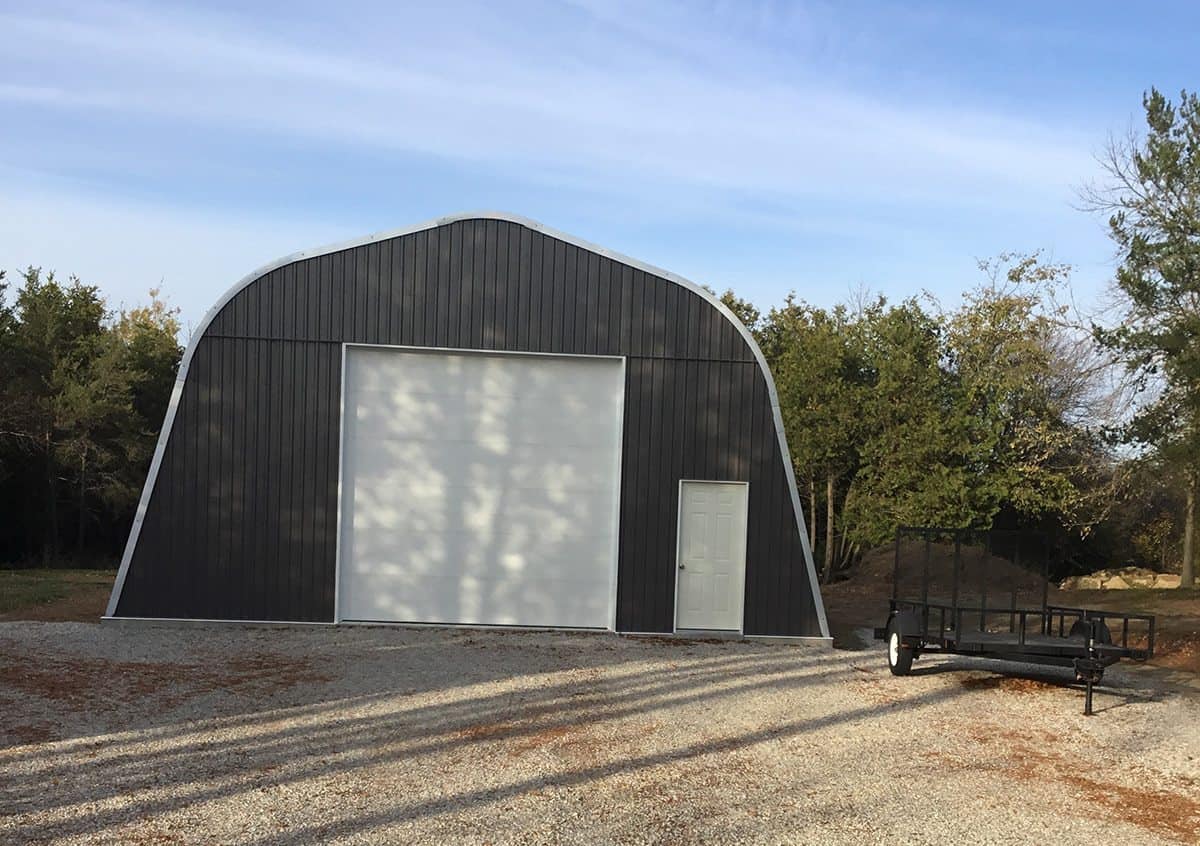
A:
[479,488]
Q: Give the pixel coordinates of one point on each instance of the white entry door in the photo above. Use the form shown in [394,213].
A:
[712,555]
[479,488]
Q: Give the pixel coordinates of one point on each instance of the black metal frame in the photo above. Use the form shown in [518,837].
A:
[1034,635]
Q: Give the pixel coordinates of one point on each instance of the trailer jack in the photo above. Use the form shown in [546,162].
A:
[1089,671]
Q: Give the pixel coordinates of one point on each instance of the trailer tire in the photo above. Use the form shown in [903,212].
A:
[899,655]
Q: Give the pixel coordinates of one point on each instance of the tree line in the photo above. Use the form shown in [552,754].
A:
[83,391]
[1006,409]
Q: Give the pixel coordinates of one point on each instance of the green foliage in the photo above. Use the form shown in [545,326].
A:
[912,415]
[1154,204]
[1016,395]
[743,310]
[81,398]
[819,373]
[1155,223]
[915,453]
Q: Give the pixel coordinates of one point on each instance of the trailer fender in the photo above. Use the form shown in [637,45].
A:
[1082,630]
[908,623]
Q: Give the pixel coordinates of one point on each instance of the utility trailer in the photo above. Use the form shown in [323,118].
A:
[985,594]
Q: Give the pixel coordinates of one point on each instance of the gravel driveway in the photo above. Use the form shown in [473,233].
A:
[112,734]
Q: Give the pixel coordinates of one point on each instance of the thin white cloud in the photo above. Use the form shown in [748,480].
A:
[637,117]
[589,100]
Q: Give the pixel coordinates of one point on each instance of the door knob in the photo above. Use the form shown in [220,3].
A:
[682,566]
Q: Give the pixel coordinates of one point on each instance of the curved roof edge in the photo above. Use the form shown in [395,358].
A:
[709,296]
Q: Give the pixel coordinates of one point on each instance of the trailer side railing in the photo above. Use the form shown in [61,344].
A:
[1053,620]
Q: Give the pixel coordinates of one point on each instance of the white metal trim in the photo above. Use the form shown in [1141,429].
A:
[802,640]
[495,627]
[144,501]
[715,482]
[712,299]
[741,629]
[337,541]
[108,618]
[616,518]
[193,621]
[678,549]
[478,351]
[337,554]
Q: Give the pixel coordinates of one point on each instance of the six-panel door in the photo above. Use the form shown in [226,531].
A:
[712,555]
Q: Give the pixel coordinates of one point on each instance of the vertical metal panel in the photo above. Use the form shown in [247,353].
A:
[207,445]
[259,466]
[404,301]
[367,305]
[362,258]
[574,300]
[655,558]
[446,302]
[323,298]
[536,326]
[331,365]
[496,305]
[597,318]
[467,267]
[277,580]
[479,252]
[643,316]
[243,515]
[667,474]
[416,323]
[455,285]
[228,575]
[292,561]
[625,340]
[606,304]
[525,265]
[465,255]
[676,326]
[555,293]
[242,520]
[635,571]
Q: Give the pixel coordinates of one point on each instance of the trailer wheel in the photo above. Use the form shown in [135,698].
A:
[899,656]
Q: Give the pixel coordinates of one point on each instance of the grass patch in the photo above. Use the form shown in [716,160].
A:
[34,590]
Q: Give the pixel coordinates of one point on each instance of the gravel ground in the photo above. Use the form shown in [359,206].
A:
[112,734]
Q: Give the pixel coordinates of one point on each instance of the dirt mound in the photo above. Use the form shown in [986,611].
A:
[861,601]
[981,572]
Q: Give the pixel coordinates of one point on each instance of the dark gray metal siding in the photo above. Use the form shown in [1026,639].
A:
[242,520]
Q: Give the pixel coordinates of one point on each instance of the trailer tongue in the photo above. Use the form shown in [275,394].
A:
[984,607]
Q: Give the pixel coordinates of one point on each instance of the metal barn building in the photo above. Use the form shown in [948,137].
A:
[475,421]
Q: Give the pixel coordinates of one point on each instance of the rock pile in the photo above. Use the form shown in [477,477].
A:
[1121,578]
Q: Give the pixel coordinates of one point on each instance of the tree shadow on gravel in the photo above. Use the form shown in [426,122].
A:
[379,706]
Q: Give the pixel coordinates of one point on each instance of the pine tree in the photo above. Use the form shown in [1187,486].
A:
[1153,201]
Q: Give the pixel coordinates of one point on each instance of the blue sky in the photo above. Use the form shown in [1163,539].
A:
[767,147]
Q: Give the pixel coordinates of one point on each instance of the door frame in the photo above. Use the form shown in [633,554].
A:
[741,629]
[341,459]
